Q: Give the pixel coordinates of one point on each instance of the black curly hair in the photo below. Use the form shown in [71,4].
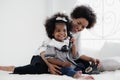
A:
[51,22]
[84,12]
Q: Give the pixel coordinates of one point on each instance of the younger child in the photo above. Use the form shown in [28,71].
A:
[57,28]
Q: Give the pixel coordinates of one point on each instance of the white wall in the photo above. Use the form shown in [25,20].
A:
[21,29]
[61,6]
[107,28]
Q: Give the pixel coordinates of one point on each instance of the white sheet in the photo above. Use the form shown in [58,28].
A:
[111,75]
[107,75]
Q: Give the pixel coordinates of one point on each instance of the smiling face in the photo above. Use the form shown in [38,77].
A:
[60,32]
[79,24]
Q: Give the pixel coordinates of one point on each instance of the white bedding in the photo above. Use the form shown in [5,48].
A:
[111,75]
[107,75]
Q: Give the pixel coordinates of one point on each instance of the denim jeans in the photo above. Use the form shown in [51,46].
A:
[68,71]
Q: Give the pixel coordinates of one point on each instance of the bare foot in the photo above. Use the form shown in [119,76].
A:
[86,77]
[78,74]
[7,68]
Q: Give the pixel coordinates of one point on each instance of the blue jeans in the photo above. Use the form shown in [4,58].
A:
[68,71]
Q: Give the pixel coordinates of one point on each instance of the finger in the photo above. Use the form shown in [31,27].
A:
[57,67]
[58,72]
[54,72]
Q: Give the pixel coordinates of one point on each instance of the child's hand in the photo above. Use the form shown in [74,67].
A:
[66,64]
[73,40]
[96,61]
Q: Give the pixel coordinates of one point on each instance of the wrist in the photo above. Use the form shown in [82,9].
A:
[91,59]
[73,44]
[63,64]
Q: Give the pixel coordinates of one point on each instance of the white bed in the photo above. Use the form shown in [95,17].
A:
[111,75]
[102,54]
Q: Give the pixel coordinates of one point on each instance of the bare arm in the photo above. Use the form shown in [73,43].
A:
[44,59]
[58,62]
[52,67]
[87,58]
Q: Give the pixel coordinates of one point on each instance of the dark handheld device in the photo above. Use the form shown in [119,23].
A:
[66,48]
[92,69]
[70,43]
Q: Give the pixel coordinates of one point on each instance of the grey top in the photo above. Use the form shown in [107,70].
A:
[58,54]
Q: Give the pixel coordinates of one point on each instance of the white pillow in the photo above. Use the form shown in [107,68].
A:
[109,49]
[110,64]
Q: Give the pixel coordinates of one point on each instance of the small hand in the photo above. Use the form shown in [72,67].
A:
[73,40]
[96,61]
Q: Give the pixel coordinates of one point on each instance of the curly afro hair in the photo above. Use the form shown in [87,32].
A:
[51,22]
[84,12]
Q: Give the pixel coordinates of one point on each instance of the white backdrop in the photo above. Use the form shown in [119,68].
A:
[22,27]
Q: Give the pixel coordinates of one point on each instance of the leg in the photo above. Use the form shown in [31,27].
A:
[37,66]
[68,71]
[38,62]
[76,74]
[80,67]
[28,69]
[31,69]
[79,76]
[36,59]
[71,72]
[86,78]
[85,63]
[7,68]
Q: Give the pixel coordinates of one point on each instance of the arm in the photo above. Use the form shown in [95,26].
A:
[58,62]
[52,67]
[87,58]
[44,59]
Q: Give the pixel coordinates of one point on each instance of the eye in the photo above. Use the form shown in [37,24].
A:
[58,30]
[65,30]
[83,27]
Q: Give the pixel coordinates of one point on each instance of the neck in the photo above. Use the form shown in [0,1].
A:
[59,40]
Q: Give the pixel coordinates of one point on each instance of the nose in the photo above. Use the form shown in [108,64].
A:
[62,32]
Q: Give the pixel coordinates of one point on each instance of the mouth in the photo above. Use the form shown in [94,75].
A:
[75,30]
[61,37]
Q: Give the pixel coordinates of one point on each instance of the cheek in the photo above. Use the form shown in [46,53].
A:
[74,28]
[55,35]
[65,34]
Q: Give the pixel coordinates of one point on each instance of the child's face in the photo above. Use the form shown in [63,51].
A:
[79,24]
[60,32]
